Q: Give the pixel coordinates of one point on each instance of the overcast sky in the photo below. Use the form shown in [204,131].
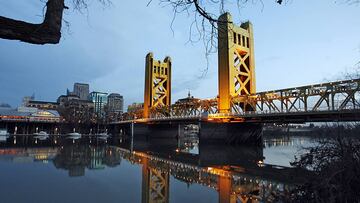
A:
[302,42]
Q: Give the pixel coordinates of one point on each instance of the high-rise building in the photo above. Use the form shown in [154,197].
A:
[81,90]
[100,100]
[115,103]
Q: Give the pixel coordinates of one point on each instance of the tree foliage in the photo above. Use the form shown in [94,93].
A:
[336,164]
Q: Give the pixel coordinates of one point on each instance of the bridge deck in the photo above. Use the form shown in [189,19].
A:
[258,117]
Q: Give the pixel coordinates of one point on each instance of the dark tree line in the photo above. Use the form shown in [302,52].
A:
[335,163]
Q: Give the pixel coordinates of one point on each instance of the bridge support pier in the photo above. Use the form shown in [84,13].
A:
[171,130]
[148,131]
[222,154]
[225,190]
[231,133]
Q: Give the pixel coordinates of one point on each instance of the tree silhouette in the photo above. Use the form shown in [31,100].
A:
[47,32]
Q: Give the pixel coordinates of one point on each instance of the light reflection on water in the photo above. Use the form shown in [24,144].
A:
[282,150]
[92,170]
[278,150]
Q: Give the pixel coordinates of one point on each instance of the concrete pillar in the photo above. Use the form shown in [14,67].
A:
[225,190]
[231,133]
[132,137]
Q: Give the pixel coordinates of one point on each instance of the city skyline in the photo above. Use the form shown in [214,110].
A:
[33,97]
[288,58]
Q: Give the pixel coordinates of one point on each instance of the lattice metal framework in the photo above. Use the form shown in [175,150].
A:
[236,61]
[159,186]
[157,83]
[194,107]
[155,183]
[333,96]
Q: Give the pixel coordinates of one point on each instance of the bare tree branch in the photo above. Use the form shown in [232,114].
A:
[47,32]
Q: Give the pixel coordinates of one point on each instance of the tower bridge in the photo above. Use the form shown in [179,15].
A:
[236,114]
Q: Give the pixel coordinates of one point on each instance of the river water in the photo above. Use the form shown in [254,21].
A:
[124,170]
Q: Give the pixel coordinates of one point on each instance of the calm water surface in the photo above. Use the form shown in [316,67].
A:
[119,170]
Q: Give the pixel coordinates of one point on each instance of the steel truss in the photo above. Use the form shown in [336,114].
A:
[333,96]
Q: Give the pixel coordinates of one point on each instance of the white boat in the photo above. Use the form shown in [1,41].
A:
[4,135]
[42,135]
[4,132]
[103,136]
[73,135]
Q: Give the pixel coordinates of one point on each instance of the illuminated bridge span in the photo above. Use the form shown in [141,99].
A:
[334,101]
[238,107]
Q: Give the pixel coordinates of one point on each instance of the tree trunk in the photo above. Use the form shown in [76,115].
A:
[48,32]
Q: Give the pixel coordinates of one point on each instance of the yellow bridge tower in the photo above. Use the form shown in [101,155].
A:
[157,83]
[236,62]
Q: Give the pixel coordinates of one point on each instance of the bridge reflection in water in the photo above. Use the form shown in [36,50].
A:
[237,174]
